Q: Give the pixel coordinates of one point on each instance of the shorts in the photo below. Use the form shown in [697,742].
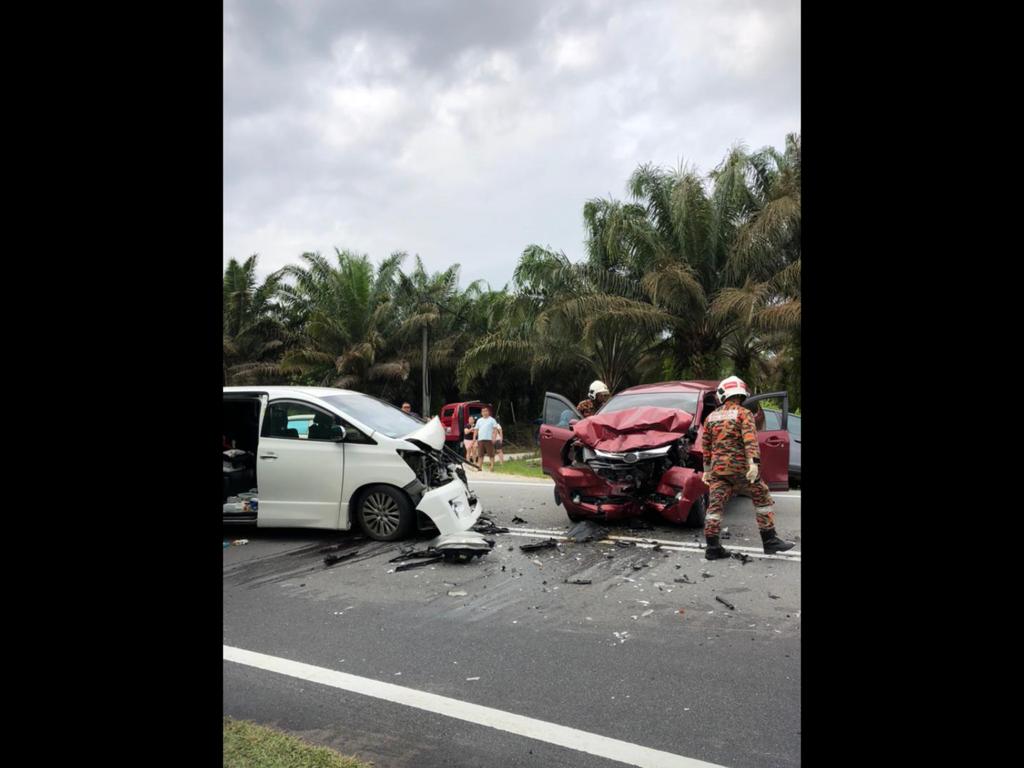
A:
[497,445]
[486,448]
[468,445]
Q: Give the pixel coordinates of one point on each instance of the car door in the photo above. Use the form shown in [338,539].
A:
[773,442]
[299,477]
[555,430]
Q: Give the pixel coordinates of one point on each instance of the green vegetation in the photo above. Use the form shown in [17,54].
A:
[692,276]
[247,745]
[523,467]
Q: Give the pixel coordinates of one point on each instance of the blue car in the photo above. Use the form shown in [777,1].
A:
[772,418]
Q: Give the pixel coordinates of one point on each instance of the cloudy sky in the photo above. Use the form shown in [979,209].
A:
[465,130]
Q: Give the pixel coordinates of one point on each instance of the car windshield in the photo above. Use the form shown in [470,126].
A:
[376,414]
[683,401]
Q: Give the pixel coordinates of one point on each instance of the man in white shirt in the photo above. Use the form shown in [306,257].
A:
[485,427]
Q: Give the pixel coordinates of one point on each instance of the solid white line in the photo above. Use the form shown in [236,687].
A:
[502,482]
[666,544]
[560,735]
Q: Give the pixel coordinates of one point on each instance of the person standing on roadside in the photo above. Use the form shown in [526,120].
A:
[485,427]
[732,462]
[469,440]
[499,443]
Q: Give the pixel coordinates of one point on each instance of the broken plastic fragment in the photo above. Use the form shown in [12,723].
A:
[546,544]
[725,602]
[457,593]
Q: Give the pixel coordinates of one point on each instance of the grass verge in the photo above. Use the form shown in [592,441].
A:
[247,745]
[522,467]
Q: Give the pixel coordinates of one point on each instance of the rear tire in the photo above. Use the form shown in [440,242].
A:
[698,512]
[385,513]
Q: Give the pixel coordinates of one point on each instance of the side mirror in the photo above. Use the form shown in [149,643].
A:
[338,433]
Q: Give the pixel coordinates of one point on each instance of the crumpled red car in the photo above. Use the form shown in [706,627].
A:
[636,429]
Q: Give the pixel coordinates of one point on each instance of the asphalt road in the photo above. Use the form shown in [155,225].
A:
[614,657]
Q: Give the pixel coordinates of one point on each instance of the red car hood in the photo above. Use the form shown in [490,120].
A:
[634,429]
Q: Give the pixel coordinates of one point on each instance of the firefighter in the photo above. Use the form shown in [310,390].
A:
[596,397]
[731,463]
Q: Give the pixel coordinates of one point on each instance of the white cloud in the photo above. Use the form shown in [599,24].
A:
[466,132]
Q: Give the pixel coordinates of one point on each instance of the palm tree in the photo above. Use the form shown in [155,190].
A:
[253,331]
[349,321]
[433,310]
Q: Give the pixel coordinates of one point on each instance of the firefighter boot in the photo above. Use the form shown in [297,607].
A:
[772,543]
[715,550]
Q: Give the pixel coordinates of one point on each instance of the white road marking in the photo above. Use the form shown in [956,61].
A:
[669,545]
[775,494]
[501,482]
[560,735]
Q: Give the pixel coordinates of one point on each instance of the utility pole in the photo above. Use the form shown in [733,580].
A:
[426,379]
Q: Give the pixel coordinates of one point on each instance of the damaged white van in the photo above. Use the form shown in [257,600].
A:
[327,458]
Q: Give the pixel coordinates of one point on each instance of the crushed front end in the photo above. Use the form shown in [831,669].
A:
[628,463]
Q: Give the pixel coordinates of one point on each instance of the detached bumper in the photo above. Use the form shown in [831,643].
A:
[453,508]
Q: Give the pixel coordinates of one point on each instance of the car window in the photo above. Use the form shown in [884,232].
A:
[376,414]
[474,411]
[772,419]
[794,425]
[299,421]
[683,401]
[556,413]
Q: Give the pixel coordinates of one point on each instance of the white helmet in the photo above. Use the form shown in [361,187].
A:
[597,387]
[731,387]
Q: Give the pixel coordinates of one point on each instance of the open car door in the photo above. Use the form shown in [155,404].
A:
[555,430]
[773,443]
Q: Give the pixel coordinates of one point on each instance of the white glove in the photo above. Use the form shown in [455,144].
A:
[752,473]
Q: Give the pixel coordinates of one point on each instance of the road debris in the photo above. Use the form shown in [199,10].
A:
[457,593]
[624,544]
[332,559]
[578,581]
[706,575]
[546,544]
[586,530]
[239,542]
[648,612]
[725,533]
[773,597]
[637,566]
[743,557]
[725,602]
[518,519]
[420,563]
[684,580]
[486,525]
[471,678]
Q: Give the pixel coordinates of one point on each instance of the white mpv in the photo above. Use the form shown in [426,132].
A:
[325,458]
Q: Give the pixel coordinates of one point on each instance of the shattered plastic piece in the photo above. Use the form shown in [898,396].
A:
[684,580]
[637,567]
[773,597]
[586,530]
[457,593]
[546,544]
[332,559]
[706,575]
[239,542]
[472,678]
[578,581]
[420,563]
[725,602]
[743,557]
[624,544]
[518,519]
[648,612]
[484,524]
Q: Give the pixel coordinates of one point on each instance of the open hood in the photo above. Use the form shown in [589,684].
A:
[634,429]
[431,433]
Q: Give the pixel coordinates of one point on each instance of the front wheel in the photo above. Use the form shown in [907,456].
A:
[385,513]
[697,513]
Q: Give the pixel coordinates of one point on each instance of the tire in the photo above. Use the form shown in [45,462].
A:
[698,512]
[385,513]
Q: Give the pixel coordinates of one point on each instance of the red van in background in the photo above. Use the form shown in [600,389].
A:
[454,417]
